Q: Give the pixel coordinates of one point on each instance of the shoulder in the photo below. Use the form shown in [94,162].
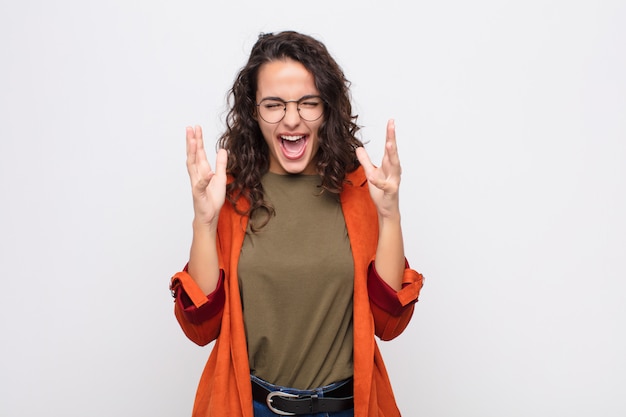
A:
[356,178]
[356,195]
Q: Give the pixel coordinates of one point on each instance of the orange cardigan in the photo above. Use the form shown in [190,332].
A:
[224,388]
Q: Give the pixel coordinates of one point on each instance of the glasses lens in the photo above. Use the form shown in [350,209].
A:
[311,109]
[272,111]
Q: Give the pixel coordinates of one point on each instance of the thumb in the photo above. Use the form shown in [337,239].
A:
[365,160]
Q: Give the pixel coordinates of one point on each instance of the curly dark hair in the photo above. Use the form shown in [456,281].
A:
[248,153]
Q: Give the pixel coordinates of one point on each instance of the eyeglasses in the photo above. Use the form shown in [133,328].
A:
[273,110]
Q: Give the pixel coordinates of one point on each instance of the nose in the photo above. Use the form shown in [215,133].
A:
[292,115]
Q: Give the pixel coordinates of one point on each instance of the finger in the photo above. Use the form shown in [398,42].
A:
[391,146]
[197,156]
[198,166]
[202,163]
[365,160]
[190,145]
[195,144]
[200,152]
[220,162]
[369,168]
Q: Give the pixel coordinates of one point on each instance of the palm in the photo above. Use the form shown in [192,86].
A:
[384,181]
[208,187]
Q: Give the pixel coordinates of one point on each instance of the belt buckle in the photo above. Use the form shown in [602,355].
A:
[273,394]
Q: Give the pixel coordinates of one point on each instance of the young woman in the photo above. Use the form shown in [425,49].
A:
[297,258]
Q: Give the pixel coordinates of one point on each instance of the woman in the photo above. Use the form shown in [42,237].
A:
[297,257]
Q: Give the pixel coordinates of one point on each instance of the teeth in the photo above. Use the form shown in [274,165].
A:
[292,138]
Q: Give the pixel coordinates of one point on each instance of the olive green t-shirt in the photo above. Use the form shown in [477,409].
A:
[296,277]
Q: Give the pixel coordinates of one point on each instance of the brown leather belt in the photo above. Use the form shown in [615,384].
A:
[286,404]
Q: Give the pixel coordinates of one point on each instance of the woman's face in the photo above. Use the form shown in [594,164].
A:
[293,142]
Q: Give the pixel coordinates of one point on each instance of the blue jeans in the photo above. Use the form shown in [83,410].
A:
[262,410]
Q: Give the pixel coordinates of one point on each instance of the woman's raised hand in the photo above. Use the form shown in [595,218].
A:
[384,181]
[208,187]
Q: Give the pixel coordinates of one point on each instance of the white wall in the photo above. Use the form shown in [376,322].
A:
[512,132]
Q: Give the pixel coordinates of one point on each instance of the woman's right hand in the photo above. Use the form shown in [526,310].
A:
[208,187]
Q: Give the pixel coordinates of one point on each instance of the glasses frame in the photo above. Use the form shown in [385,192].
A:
[285,102]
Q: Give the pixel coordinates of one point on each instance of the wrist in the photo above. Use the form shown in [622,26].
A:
[389,217]
[203,228]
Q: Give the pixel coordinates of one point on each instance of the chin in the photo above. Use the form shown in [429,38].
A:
[298,168]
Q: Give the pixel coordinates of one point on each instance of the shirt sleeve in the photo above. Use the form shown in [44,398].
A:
[195,306]
[199,315]
[392,310]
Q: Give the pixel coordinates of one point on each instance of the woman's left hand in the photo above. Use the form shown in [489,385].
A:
[384,181]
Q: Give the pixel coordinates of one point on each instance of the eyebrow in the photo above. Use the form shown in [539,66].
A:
[284,101]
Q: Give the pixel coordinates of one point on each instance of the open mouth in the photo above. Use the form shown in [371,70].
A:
[293,147]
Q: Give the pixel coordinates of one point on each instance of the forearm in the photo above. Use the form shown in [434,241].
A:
[203,264]
[390,260]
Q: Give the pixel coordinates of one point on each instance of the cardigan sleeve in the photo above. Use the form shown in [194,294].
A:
[199,315]
[392,310]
